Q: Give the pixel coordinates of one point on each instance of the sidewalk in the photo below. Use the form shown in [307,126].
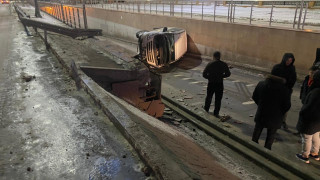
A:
[169,153]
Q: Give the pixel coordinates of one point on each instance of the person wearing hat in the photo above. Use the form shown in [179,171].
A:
[287,70]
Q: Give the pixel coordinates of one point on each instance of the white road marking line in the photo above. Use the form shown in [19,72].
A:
[248,103]
[197,103]
[196,82]
[249,85]
[186,78]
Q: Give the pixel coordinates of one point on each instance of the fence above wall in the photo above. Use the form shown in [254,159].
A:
[293,14]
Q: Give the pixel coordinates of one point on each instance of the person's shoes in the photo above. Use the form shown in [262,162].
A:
[300,157]
[217,116]
[205,109]
[284,125]
[315,157]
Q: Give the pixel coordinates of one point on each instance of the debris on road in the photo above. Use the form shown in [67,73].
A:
[180,100]
[187,97]
[237,122]
[28,78]
[225,118]
[169,112]
[178,119]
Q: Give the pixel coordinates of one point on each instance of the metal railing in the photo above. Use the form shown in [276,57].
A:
[296,14]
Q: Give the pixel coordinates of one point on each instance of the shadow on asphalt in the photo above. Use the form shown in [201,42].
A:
[186,62]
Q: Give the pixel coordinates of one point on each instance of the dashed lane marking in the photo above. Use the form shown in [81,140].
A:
[177,75]
[197,103]
[248,102]
[196,82]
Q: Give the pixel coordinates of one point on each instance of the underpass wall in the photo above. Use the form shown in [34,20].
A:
[242,44]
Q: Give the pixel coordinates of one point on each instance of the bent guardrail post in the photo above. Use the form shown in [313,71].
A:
[62,14]
[84,14]
[21,15]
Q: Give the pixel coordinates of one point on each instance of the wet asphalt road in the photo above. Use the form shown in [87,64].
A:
[49,129]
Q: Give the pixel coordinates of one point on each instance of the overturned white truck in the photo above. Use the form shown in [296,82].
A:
[162,46]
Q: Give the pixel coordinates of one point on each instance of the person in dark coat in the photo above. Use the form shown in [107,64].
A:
[273,100]
[308,80]
[310,122]
[317,60]
[288,71]
[215,71]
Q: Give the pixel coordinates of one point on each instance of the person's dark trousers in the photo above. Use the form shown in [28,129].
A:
[284,122]
[271,134]
[217,89]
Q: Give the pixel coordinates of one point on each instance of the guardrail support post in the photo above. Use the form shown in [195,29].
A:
[62,13]
[191,9]
[295,16]
[234,12]
[231,11]
[202,12]
[74,18]
[305,15]
[78,18]
[84,15]
[300,14]
[228,13]
[271,14]
[251,12]
[214,11]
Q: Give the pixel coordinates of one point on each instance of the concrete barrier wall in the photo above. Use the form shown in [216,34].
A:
[254,45]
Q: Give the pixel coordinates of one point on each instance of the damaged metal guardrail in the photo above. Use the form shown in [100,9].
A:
[27,21]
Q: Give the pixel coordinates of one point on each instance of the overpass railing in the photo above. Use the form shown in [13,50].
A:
[293,14]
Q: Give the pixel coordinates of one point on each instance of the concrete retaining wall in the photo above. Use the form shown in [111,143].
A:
[260,46]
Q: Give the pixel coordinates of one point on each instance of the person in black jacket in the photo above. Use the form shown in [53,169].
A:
[273,100]
[306,84]
[308,80]
[215,71]
[309,126]
[287,70]
[317,60]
